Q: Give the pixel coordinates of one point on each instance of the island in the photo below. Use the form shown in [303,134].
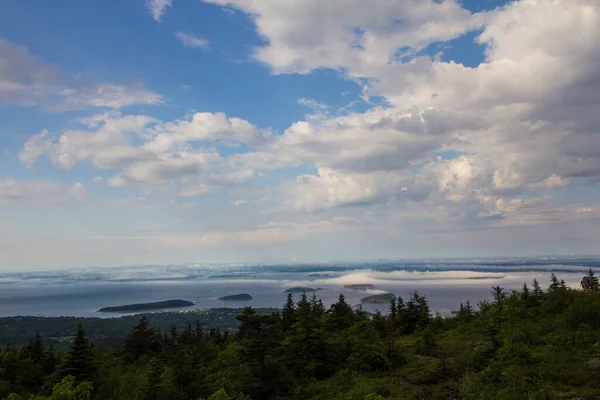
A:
[301,289]
[379,298]
[159,305]
[236,297]
[360,286]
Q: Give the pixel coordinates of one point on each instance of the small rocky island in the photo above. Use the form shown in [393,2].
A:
[378,298]
[365,286]
[300,289]
[236,297]
[159,305]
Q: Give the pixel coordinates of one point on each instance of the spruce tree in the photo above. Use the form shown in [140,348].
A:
[288,314]
[341,316]
[525,295]
[317,307]
[537,289]
[393,312]
[554,283]
[36,350]
[142,340]
[79,361]
[498,294]
[594,281]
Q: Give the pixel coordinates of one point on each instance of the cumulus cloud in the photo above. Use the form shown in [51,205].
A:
[522,122]
[192,41]
[150,153]
[484,145]
[27,80]
[309,35]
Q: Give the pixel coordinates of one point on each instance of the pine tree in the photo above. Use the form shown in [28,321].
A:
[468,310]
[317,308]
[393,312]
[537,290]
[498,294]
[400,313]
[554,283]
[79,361]
[36,350]
[563,285]
[288,314]
[525,295]
[142,340]
[341,316]
[594,281]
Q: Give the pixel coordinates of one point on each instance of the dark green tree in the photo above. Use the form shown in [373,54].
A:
[341,316]
[142,340]
[79,361]
[288,314]
[554,283]
[498,294]
[537,289]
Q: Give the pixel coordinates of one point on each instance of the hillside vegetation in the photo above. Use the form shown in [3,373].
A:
[528,344]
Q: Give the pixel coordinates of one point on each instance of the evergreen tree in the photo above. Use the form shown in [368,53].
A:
[498,294]
[316,306]
[594,281]
[554,283]
[537,289]
[525,295]
[36,350]
[79,361]
[341,316]
[142,340]
[400,313]
[393,313]
[288,314]
[468,310]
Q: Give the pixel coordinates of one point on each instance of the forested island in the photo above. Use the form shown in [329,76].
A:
[381,298]
[300,289]
[158,305]
[535,343]
[236,297]
[359,286]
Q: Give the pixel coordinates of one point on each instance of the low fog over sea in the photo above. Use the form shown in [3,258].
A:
[445,284]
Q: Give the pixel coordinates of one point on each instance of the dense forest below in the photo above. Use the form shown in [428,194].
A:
[532,343]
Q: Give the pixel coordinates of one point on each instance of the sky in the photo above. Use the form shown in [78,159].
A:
[188,131]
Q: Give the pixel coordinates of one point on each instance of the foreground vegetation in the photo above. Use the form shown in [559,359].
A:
[527,344]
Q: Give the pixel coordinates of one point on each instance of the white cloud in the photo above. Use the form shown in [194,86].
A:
[27,81]
[178,156]
[189,40]
[522,122]
[38,192]
[307,35]
[158,7]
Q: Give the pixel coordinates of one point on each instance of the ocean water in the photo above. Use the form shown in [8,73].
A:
[82,292]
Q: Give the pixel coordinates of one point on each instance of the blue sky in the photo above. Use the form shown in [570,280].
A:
[168,131]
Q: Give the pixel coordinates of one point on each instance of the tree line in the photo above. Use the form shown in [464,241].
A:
[531,343]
